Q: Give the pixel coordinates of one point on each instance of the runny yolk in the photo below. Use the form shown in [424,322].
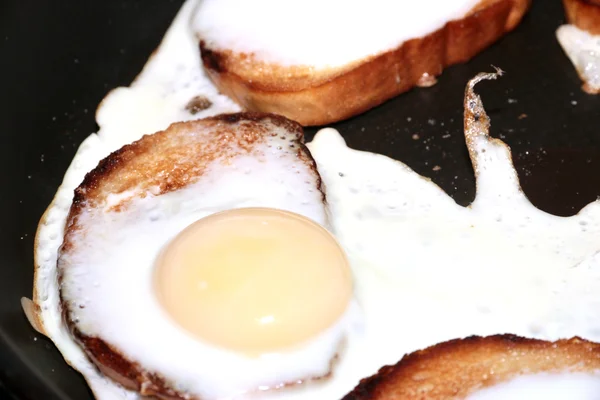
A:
[254,280]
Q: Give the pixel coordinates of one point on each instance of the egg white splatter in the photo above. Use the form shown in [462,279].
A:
[428,270]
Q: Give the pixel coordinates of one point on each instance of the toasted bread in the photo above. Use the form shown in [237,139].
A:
[455,369]
[318,96]
[161,163]
[584,14]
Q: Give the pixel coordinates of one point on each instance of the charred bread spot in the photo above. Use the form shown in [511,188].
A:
[213,60]
[460,367]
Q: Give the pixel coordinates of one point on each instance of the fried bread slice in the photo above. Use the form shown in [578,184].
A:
[184,155]
[318,96]
[455,369]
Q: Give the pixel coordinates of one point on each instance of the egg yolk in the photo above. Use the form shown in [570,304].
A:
[254,280]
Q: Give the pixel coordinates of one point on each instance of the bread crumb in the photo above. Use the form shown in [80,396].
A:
[415,136]
[197,104]
[523,116]
[436,168]
[426,80]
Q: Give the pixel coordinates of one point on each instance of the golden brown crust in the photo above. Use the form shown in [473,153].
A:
[454,369]
[318,97]
[172,159]
[584,14]
[164,162]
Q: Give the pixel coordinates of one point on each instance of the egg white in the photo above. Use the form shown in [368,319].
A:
[498,266]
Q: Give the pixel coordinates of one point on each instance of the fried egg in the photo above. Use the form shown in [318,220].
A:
[424,269]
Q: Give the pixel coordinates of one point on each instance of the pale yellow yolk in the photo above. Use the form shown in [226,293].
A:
[254,280]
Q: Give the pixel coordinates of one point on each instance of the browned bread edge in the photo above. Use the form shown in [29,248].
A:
[321,97]
[457,368]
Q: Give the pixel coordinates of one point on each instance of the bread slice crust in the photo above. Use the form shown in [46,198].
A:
[457,368]
[323,96]
[584,14]
[168,160]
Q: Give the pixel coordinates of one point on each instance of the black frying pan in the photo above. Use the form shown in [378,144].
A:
[58,59]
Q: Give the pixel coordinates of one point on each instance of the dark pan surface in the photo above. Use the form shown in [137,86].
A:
[58,59]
